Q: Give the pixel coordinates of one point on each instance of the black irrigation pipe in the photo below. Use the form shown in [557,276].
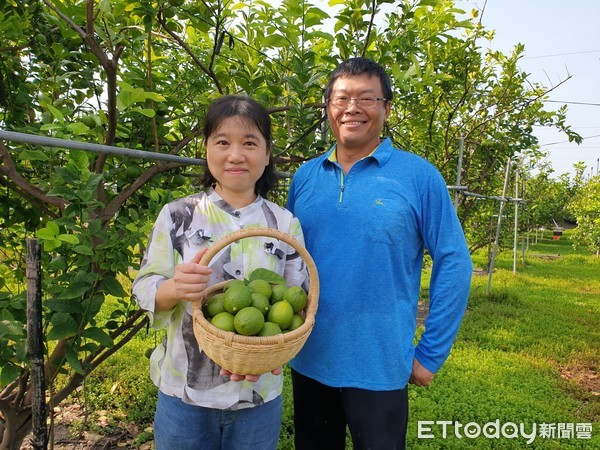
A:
[96,148]
[100,148]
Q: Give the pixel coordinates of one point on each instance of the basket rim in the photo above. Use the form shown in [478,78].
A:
[279,339]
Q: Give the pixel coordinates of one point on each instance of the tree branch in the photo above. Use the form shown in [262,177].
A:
[370,28]
[188,50]
[102,354]
[21,186]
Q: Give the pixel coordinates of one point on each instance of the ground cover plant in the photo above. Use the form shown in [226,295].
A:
[528,353]
[139,75]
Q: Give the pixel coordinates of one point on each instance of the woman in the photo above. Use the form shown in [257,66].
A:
[201,406]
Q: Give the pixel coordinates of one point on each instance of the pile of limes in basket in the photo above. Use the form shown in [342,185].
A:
[262,305]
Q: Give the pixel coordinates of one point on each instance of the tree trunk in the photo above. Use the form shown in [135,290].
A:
[35,345]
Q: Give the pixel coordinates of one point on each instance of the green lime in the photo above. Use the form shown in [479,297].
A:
[277,292]
[89,121]
[297,297]
[297,322]
[248,321]
[223,321]
[270,329]
[236,298]
[260,302]
[281,313]
[214,305]
[178,180]
[234,282]
[132,172]
[261,287]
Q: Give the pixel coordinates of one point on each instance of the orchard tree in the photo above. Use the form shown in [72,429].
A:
[547,198]
[585,206]
[448,88]
[140,74]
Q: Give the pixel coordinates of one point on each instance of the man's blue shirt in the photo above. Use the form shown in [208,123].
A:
[367,231]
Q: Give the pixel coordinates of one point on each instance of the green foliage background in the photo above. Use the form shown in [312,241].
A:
[140,74]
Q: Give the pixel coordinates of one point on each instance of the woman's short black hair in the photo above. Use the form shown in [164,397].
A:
[360,66]
[251,111]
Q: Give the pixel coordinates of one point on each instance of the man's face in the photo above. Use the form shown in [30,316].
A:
[357,128]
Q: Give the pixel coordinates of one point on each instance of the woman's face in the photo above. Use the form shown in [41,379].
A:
[236,154]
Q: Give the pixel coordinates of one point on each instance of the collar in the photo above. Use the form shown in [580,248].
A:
[381,153]
[221,203]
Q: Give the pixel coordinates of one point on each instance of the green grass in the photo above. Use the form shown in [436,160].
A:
[527,353]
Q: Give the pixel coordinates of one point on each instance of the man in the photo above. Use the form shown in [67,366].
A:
[368,212]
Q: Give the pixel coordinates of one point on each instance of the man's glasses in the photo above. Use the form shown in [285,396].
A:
[364,102]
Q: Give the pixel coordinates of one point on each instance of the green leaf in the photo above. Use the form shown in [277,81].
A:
[71,357]
[75,290]
[90,347]
[49,232]
[132,227]
[155,96]
[45,233]
[51,245]
[10,330]
[83,250]
[275,40]
[137,95]
[55,112]
[78,128]
[146,112]
[112,287]
[63,326]
[51,127]
[62,191]
[267,275]
[99,336]
[429,3]
[94,226]
[63,305]
[9,374]
[21,350]
[33,155]
[68,238]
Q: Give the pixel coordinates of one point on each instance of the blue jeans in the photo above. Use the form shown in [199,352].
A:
[179,426]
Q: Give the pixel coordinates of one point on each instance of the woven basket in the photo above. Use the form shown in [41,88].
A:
[254,355]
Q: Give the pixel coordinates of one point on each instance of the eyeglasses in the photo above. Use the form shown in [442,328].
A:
[365,102]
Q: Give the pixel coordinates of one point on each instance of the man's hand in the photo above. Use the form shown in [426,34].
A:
[251,378]
[420,376]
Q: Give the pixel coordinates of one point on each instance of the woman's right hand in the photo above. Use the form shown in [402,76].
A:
[190,278]
[188,284]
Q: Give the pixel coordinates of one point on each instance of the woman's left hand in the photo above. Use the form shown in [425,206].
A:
[251,378]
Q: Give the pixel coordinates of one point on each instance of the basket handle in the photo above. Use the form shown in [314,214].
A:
[250,232]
